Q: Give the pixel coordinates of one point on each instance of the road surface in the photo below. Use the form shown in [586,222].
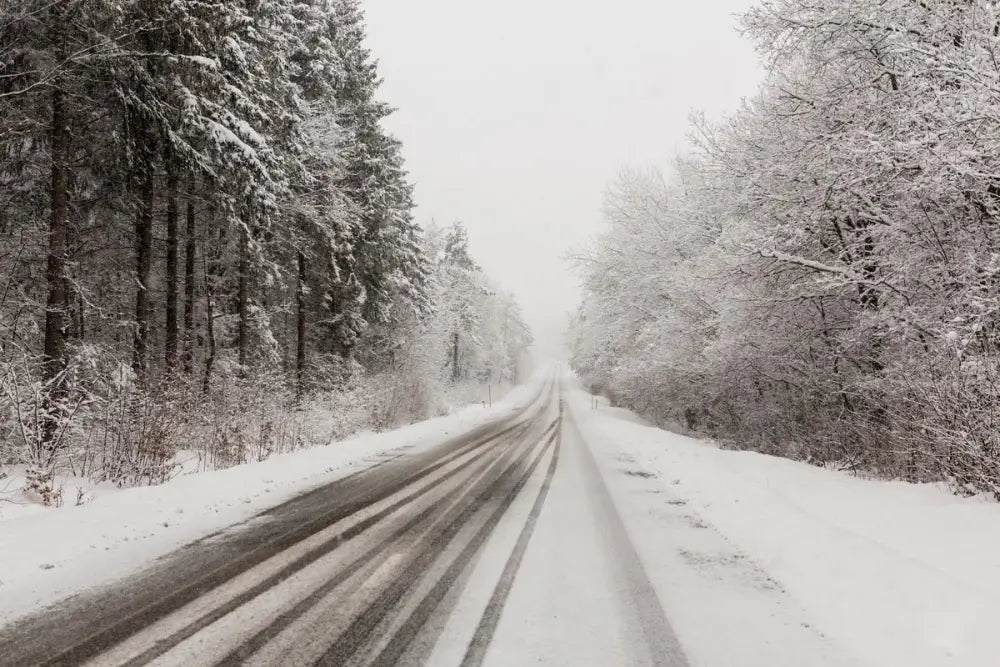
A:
[499,547]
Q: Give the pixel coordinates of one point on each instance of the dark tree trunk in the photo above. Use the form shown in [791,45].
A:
[210,272]
[143,265]
[456,372]
[209,330]
[71,318]
[300,328]
[81,317]
[72,329]
[54,347]
[243,299]
[189,258]
[170,337]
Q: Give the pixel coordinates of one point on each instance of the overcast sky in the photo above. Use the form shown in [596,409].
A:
[515,116]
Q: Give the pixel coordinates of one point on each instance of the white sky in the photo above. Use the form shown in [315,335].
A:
[515,116]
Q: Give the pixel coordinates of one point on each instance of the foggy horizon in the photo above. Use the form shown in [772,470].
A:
[520,143]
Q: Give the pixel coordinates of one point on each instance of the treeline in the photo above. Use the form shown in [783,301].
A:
[821,279]
[200,213]
[477,336]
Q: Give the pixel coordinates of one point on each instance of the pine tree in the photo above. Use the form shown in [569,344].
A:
[385,252]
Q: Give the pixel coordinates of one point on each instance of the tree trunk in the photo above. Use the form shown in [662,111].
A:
[243,298]
[211,269]
[189,258]
[143,264]
[300,337]
[81,315]
[456,373]
[209,330]
[73,301]
[170,338]
[54,348]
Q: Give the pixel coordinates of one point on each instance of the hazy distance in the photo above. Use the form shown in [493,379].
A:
[515,116]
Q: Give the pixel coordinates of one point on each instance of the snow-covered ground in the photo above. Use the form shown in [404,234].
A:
[762,560]
[47,553]
[756,560]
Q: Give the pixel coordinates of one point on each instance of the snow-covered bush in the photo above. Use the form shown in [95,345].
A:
[39,486]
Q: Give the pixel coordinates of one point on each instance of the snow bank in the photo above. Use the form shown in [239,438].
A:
[49,553]
[899,574]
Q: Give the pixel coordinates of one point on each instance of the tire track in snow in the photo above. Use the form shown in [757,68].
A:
[508,485]
[476,652]
[401,641]
[280,624]
[162,646]
[664,648]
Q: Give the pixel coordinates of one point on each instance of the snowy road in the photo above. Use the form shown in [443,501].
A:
[500,547]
